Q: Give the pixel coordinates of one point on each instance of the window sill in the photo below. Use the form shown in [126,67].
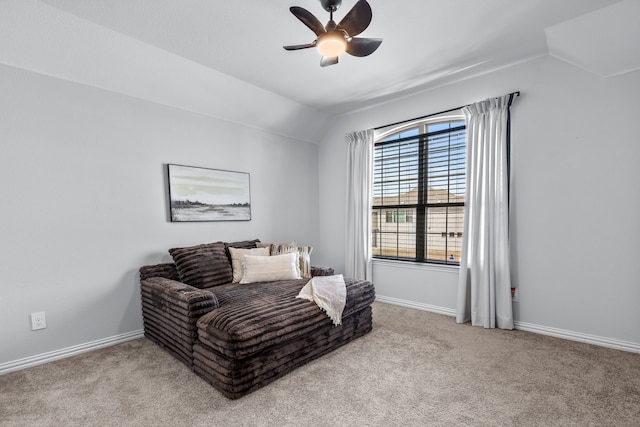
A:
[442,268]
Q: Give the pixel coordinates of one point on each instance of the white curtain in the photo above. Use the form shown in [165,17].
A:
[484,287]
[358,226]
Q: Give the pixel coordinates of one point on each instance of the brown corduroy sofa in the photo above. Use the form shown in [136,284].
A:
[240,337]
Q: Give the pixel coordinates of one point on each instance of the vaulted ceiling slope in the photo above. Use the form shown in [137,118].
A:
[225,59]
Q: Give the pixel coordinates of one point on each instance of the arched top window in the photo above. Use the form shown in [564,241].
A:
[419,187]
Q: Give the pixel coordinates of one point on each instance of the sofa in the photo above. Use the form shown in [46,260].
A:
[237,321]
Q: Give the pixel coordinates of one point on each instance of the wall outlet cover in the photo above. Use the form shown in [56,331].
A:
[38,321]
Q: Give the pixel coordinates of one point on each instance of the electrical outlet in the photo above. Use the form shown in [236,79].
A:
[515,294]
[38,321]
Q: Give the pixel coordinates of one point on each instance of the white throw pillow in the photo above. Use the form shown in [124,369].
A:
[270,268]
[237,258]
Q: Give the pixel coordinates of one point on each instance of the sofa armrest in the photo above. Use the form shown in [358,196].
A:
[170,310]
[167,270]
[321,271]
[171,294]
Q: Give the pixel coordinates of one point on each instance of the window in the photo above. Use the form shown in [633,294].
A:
[389,216]
[395,216]
[418,192]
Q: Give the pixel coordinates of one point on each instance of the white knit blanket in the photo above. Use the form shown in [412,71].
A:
[329,293]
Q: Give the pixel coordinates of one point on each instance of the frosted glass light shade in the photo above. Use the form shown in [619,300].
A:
[331,44]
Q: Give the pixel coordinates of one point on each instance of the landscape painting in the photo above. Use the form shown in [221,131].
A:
[200,194]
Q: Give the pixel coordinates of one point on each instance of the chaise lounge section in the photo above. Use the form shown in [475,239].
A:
[240,337]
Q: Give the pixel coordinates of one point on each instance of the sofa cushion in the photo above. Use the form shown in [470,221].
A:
[304,256]
[304,260]
[268,245]
[269,269]
[244,244]
[203,266]
[237,259]
[257,316]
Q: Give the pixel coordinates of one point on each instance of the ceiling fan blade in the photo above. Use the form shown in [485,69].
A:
[328,60]
[300,46]
[357,20]
[362,46]
[308,19]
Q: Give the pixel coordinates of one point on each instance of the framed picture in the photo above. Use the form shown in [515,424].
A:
[200,194]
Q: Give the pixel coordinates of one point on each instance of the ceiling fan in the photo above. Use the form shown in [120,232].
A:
[334,39]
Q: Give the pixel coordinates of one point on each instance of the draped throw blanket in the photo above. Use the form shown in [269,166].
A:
[329,293]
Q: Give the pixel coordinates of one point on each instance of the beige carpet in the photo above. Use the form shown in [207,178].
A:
[414,369]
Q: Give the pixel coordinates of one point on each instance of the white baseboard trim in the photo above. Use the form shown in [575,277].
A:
[528,327]
[578,336]
[39,359]
[416,305]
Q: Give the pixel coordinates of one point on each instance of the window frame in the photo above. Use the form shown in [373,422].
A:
[420,209]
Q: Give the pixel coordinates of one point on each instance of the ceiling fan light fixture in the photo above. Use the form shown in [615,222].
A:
[335,39]
[332,43]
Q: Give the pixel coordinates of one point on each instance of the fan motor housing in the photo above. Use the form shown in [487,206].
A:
[331,5]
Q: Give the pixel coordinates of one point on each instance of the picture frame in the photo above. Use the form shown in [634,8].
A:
[199,194]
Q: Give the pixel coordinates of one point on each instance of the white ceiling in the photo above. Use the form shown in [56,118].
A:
[426,43]
[605,42]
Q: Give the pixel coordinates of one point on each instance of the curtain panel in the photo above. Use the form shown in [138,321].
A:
[359,183]
[484,287]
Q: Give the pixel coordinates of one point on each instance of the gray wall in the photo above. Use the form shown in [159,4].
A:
[575,229]
[82,181]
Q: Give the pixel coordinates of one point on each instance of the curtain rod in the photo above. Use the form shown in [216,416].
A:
[516,93]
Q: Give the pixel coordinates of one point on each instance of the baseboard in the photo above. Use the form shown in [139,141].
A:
[39,359]
[580,337]
[529,327]
[416,305]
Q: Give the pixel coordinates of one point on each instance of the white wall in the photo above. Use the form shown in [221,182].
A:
[83,188]
[576,238]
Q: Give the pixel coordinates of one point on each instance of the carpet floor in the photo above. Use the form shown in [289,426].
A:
[414,369]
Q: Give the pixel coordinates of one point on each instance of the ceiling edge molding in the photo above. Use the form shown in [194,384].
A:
[431,87]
